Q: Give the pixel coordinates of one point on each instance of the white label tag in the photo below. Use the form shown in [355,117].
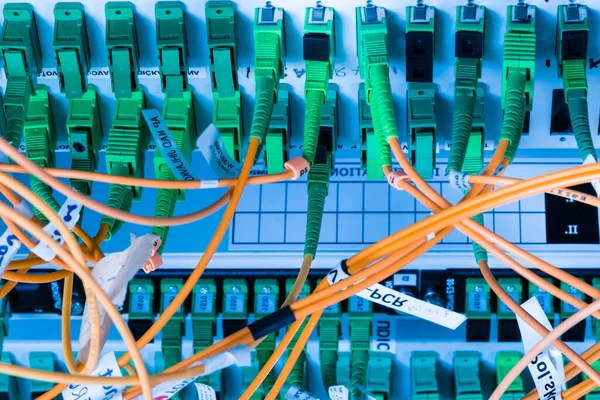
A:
[459,180]
[209,184]
[383,334]
[339,392]
[399,301]
[596,184]
[239,355]
[205,392]
[167,146]
[212,148]
[295,393]
[405,280]
[107,366]
[69,213]
[546,368]
[9,244]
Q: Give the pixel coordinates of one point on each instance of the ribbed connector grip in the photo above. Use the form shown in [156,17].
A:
[514,110]
[580,121]
[478,251]
[462,122]
[381,97]
[44,192]
[383,148]
[165,207]
[317,193]
[263,105]
[312,122]
[360,361]
[328,361]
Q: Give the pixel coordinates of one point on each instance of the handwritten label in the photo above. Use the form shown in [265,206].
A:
[165,142]
[339,392]
[295,393]
[388,297]
[212,148]
[9,244]
[69,213]
[459,180]
[547,367]
[205,392]
[108,367]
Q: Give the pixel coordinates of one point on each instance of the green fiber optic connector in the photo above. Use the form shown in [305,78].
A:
[594,394]
[342,368]
[277,141]
[44,361]
[477,299]
[174,330]
[469,50]
[379,375]
[319,52]
[128,140]
[71,48]
[371,30]
[421,127]
[370,143]
[141,301]
[519,49]
[266,301]
[566,309]
[40,143]
[545,299]
[227,115]
[360,315]
[595,324]
[204,314]
[467,384]
[514,288]
[505,361]
[473,162]
[423,375]
[269,64]
[122,46]
[9,387]
[235,305]
[171,43]
[318,189]
[85,136]
[22,61]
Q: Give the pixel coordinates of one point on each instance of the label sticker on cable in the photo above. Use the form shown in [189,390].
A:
[238,355]
[391,298]
[167,146]
[69,213]
[339,392]
[596,184]
[209,184]
[108,367]
[205,392]
[459,180]
[295,393]
[9,244]
[212,148]
[547,368]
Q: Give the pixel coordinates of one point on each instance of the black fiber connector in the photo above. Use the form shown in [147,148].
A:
[574,45]
[326,138]
[468,44]
[508,330]
[316,47]
[575,334]
[419,57]
[478,330]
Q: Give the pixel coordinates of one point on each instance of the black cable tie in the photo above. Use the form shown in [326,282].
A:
[272,322]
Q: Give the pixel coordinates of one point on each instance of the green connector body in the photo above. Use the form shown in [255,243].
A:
[71,49]
[277,141]
[514,288]
[44,361]
[572,36]
[9,387]
[330,131]
[84,130]
[467,384]
[40,142]
[174,330]
[235,301]
[519,50]
[171,42]
[343,367]
[360,315]
[505,361]
[594,394]
[20,45]
[545,299]
[22,60]
[421,127]
[266,301]
[122,46]
[227,115]
[423,375]
[204,314]
[473,162]
[477,299]
[379,375]
[319,53]
[269,64]
[375,152]
[566,309]
[141,299]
